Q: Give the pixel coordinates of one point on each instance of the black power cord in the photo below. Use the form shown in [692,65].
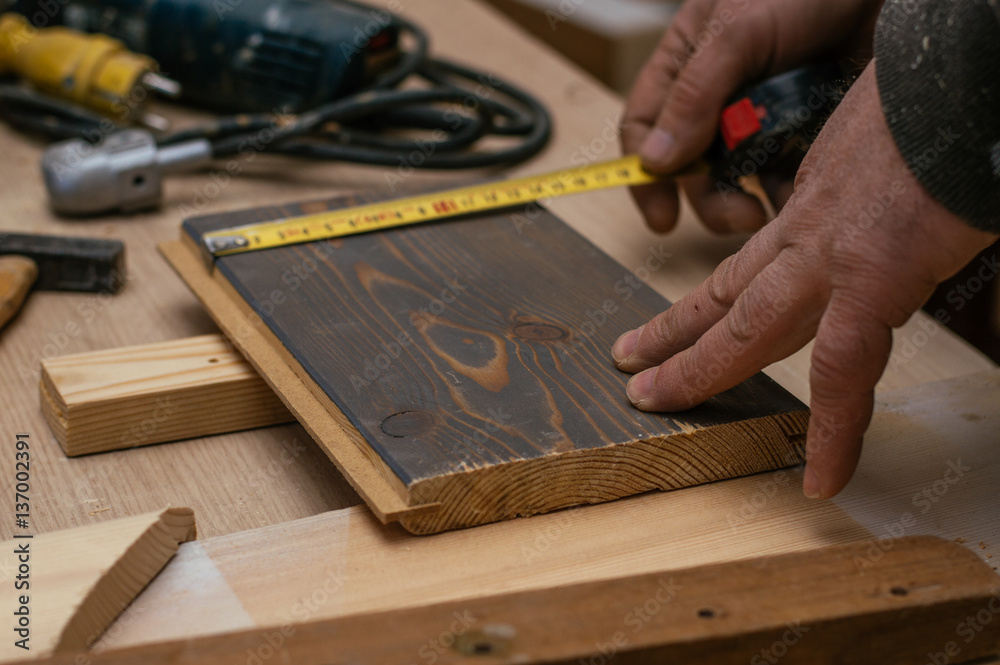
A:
[443,120]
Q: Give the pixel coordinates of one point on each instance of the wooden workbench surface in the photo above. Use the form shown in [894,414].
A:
[254,479]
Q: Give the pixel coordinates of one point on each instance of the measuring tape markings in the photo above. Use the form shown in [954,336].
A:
[625,171]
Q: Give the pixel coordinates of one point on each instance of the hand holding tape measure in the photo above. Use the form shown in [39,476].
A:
[768,127]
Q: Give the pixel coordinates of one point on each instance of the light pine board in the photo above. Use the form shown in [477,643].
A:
[79,580]
[138,395]
[805,608]
[367,567]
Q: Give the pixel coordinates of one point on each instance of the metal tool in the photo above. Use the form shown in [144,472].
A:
[56,263]
[123,172]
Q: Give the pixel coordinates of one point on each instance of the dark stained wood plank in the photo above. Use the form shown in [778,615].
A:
[472,357]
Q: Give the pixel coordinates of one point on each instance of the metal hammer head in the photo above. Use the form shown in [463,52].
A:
[70,264]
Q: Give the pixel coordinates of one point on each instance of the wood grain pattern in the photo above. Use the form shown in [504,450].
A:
[79,580]
[805,608]
[378,567]
[237,481]
[17,274]
[134,396]
[472,357]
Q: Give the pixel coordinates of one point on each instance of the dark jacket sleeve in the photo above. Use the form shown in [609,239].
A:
[938,68]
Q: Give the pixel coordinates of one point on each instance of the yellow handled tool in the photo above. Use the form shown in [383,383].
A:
[91,70]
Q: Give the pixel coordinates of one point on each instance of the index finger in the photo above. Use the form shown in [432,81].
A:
[775,316]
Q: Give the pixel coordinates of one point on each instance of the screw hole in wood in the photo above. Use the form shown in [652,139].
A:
[407,423]
[491,640]
[539,331]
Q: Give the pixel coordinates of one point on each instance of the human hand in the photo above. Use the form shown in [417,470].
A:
[856,251]
[712,49]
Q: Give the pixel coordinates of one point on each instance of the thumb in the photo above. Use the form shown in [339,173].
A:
[689,118]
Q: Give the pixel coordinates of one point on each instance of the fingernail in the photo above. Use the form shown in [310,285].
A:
[658,147]
[640,385]
[625,345]
[810,484]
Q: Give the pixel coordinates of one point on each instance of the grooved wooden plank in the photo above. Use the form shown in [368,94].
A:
[133,396]
[73,583]
[805,608]
[471,360]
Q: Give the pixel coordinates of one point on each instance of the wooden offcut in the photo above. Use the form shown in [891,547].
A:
[469,364]
[139,395]
[802,608]
[74,583]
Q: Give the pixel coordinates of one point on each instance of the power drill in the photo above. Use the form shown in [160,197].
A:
[243,56]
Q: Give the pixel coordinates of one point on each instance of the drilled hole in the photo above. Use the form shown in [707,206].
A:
[706,613]
[138,180]
[482,648]
[898,591]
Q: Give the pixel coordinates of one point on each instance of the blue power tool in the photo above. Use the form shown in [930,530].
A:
[251,55]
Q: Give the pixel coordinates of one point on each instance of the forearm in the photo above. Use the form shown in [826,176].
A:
[937,64]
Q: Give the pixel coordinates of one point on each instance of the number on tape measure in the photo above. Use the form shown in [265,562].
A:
[427,207]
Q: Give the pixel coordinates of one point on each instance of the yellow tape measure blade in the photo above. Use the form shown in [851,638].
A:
[625,171]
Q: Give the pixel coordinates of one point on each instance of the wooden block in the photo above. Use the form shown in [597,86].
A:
[76,582]
[805,608]
[135,396]
[470,363]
